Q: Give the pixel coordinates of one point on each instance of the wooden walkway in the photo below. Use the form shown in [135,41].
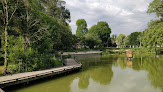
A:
[9,80]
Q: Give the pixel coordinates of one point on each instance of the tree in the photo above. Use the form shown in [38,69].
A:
[62,35]
[104,32]
[140,38]
[153,34]
[156,7]
[31,29]
[133,39]
[7,14]
[126,41]
[92,40]
[56,8]
[81,28]
[121,40]
[113,39]
[75,40]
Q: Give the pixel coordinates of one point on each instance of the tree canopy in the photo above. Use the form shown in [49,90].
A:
[121,39]
[156,7]
[153,35]
[81,27]
[103,30]
[133,39]
[30,30]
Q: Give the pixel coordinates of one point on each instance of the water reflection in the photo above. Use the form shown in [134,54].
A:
[129,64]
[154,66]
[113,73]
[96,68]
[150,63]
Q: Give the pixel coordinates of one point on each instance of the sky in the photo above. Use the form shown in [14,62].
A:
[123,16]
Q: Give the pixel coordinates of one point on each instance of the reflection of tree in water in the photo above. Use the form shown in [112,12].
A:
[103,75]
[150,63]
[122,62]
[83,81]
[138,61]
[89,61]
[101,72]
[97,68]
[155,68]
[153,65]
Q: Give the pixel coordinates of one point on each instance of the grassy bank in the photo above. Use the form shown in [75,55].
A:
[113,50]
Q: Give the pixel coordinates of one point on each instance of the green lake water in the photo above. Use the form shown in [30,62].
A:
[112,73]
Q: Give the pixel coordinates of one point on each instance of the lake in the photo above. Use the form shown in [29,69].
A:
[112,73]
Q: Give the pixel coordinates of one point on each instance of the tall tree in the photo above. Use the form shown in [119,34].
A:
[113,39]
[57,10]
[81,28]
[140,38]
[156,7]
[7,14]
[92,38]
[121,40]
[32,28]
[133,39]
[104,32]
[153,35]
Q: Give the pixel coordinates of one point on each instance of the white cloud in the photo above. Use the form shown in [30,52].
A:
[123,16]
[125,13]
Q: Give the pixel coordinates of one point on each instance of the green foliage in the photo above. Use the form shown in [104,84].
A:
[154,34]
[121,39]
[133,39]
[93,29]
[106,53]
[67,56]
[156,7]
[81,28]
[114,37]
[92,40]
[75,40]
[57,62]
[36,29]
[103,31]
[15,48]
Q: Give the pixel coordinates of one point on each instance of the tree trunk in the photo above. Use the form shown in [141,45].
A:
[5,58]
[140,44]
[6,34]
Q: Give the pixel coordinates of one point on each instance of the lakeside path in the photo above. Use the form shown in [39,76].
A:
[82,53]
[8,80]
